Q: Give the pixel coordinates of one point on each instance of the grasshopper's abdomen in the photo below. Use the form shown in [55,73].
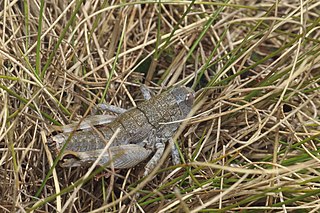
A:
[134,128]
[78,141]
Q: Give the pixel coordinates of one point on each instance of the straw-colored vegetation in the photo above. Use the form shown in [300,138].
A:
[252,143]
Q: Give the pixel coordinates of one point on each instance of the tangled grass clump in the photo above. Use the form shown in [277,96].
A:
[251,144]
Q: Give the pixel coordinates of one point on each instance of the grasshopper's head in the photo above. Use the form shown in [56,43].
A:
[184,97]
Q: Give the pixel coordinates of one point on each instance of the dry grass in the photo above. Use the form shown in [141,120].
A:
[251,145]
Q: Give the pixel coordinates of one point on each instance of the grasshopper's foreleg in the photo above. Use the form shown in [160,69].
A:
[146,92]
[174,153]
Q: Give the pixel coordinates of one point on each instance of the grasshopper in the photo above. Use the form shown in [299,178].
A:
[143,130]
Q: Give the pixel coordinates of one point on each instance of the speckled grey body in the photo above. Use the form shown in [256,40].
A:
[145,126]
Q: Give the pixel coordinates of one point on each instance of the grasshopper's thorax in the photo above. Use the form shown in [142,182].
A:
[170,106]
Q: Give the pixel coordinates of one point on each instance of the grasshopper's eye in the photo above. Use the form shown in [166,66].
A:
[189,99]
[184,95]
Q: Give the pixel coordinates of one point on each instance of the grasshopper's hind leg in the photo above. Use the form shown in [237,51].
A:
[87,123]
[122,157]
[106,107]
[146,92]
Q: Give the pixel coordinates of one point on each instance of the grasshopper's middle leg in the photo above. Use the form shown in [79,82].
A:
[159,147]
[157,143]
[155,158]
